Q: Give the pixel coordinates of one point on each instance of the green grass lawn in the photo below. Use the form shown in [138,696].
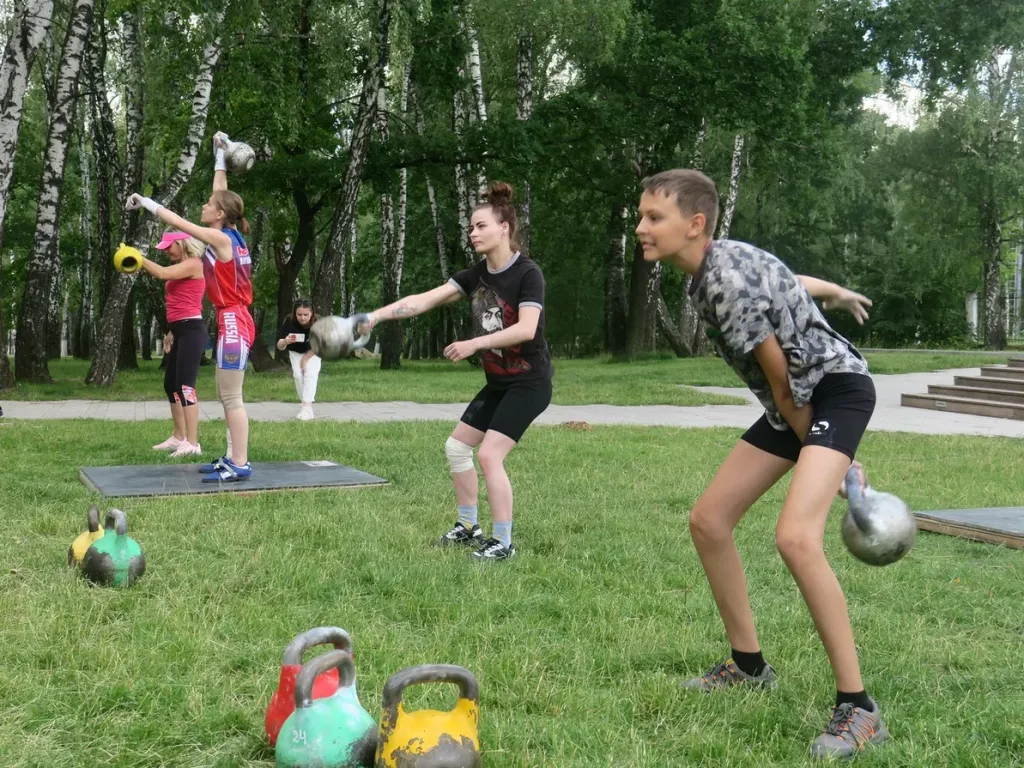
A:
[654,381]
[578,645]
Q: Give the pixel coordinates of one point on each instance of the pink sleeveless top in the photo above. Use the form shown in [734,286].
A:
[184,298]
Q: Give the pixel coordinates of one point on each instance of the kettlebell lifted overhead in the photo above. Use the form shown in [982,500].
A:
[878,528]
[427,738]
[115,560]
[84,540]
[282,703]
[332,732]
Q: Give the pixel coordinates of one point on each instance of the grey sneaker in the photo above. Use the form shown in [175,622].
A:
[726,675]
[850,731]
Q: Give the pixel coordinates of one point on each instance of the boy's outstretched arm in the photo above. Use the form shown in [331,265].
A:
[836,297]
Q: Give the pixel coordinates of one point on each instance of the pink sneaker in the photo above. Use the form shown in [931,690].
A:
[186,449]
[169,444]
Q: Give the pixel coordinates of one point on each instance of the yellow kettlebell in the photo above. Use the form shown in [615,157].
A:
[84,540]
[127,259]
[427,738]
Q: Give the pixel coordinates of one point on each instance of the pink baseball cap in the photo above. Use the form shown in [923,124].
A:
[171,237]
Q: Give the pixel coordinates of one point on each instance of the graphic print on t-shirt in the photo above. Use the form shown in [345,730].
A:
[491,314]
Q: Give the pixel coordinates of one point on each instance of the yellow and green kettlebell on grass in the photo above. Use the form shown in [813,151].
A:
[115,560]
[84,540]
[427,738]
[127,259]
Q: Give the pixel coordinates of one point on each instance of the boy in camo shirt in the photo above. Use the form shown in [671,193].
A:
[818,399]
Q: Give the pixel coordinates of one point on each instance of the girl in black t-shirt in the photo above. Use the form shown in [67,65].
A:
[506,292]
[294,337]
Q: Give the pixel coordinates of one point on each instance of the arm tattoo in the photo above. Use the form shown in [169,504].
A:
[402,310]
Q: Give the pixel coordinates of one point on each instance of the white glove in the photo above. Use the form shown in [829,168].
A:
[221,142]
[136,201]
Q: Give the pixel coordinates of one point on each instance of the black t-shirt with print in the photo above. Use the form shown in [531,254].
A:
[290,326]
[496,298]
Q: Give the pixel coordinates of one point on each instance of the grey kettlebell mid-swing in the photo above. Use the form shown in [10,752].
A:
[878,528]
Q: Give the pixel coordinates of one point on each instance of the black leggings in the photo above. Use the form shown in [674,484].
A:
[190,337]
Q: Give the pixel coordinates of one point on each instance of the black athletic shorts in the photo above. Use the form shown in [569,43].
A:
[182,370]
[842,405]
[508,410]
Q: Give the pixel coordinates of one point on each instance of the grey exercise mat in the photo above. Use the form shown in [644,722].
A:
[996,525]
[181,479]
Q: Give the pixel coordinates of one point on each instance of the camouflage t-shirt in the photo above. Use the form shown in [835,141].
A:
[743,294]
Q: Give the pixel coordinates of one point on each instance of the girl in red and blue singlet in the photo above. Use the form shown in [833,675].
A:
[227,269]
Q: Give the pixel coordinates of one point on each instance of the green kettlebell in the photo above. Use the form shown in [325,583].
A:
[114,560]
[333,732]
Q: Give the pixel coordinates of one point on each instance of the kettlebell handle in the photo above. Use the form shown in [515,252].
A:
[428,673]
[856,501]
[94,518]
[357,320]
[315,667]
[117,520]
[336,636]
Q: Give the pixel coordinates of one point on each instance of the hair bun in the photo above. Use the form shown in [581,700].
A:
[499,193]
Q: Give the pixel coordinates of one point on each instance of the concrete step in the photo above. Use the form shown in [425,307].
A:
[1016,362]
[963,405]
[1004,396]
[1002,371]
[989,382]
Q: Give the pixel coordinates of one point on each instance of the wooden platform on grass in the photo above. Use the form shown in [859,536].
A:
[994,525]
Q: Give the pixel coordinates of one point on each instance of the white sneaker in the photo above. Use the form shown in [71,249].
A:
[170,444]
[187,449]
[305,414]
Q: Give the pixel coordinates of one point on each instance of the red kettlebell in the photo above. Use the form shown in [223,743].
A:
[282,703]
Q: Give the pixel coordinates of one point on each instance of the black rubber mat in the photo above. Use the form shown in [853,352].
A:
[995,525]
[183,479]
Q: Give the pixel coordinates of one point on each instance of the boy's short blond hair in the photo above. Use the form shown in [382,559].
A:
[694,193]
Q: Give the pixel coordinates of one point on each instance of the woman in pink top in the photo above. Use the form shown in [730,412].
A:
[186,341]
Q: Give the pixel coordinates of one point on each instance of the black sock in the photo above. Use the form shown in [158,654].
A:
[859,699]
[752,664]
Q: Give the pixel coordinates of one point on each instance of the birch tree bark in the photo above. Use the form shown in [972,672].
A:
[84,325]
[390,334]
[344,210]
[524,111]
[31,25]
[616,301]
[108,340]
[104,142]
[700,339]
[30,356]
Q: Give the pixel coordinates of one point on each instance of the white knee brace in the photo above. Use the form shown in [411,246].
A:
[460,455]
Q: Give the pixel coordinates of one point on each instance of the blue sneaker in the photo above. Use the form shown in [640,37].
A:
[213,466]
[229,472]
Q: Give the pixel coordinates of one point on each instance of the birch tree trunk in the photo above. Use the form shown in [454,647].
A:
[390,334]
[700,340]
[344,211]
[31,348]
[687,314]
[108,341]
[463,203]
[524,111]
[993,320]
[31,25]
[82,335]
[134,149]
[442,246]
[616,302]
[104,142]
[30,28]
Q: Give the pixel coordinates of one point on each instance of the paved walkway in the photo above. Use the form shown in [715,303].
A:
[889,415]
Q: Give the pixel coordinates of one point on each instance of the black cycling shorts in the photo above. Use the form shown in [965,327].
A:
[184,359]
[842,405]
[508,410]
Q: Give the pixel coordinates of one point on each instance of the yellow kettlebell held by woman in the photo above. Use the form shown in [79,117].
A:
[127,259]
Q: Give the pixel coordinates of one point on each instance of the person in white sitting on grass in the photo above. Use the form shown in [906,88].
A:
[294,337]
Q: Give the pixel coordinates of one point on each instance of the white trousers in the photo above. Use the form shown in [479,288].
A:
[305,383]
